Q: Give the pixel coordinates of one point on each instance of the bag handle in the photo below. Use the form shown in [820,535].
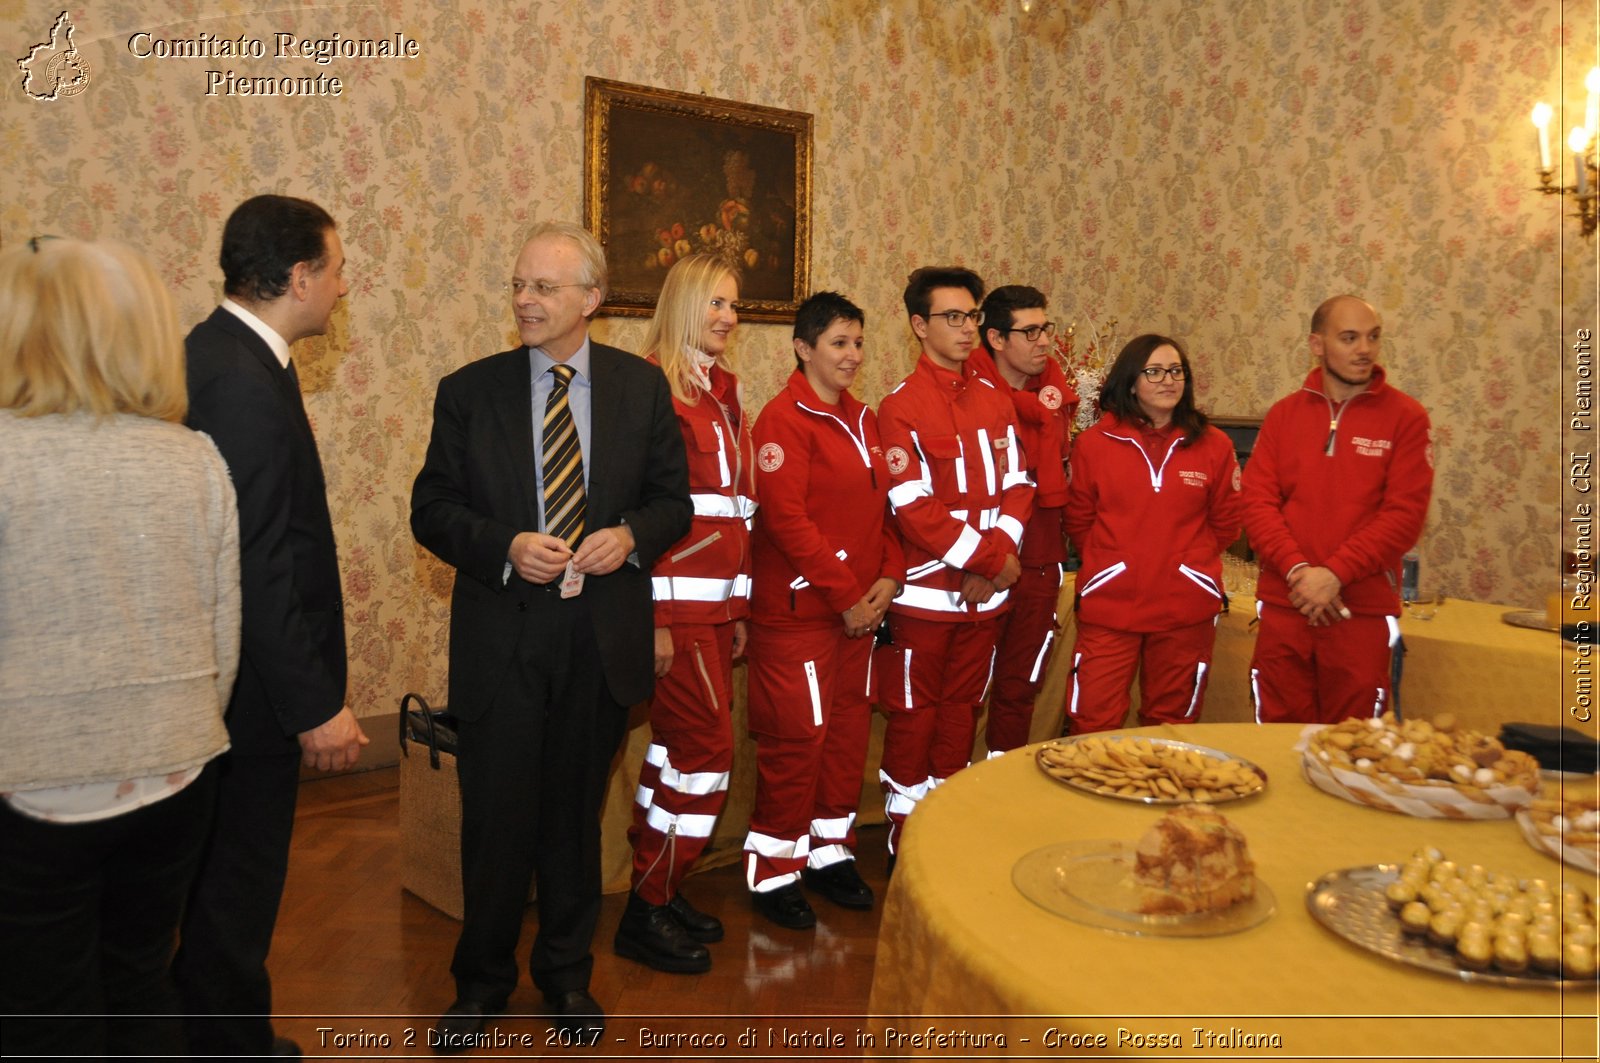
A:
[427,714]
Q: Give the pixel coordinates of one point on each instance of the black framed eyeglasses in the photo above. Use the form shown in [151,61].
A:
[1032,332]
[1154,373]
[33,242]
[957,318]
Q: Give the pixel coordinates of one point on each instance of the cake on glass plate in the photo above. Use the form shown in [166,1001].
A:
[1191,862]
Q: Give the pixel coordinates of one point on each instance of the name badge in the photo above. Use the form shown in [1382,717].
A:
[571,582]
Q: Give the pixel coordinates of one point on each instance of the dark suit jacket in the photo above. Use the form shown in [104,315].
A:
[476,492]
[292,666]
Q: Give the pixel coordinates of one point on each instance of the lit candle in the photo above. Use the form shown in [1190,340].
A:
[1541,119]
[1578,141]
[1591,113]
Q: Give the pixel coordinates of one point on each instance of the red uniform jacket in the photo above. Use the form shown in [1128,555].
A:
[1151,531]
[959,489]
[1345,487]
[823,536]
[704,578]
[1045,406]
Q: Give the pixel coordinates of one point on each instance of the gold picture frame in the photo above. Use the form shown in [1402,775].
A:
[666,174]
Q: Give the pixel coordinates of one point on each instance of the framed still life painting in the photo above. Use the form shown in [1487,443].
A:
[669,174]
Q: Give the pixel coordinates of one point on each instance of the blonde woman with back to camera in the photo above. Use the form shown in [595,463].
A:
[119,639]
[701,590]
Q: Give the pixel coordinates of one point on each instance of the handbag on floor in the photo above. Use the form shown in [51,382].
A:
[430,806]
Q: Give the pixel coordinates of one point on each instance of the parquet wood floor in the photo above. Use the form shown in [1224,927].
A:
[356,960]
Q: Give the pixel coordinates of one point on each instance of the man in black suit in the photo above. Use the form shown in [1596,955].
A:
[282,265]
[550,625]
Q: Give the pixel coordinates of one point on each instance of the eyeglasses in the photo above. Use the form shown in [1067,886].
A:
[1154,373]
[957,318]
[33,242]
[1033,332]
[543,289]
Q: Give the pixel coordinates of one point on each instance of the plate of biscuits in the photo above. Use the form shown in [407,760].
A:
[1566,826]
[1427,768]
[1155,771]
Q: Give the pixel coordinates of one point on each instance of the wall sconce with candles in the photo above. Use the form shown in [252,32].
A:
[1582,142]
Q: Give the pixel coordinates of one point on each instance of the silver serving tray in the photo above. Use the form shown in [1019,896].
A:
[1352,905]
[1529,618]
[1088,786]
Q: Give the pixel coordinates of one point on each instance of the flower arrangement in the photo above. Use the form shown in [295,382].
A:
[1085,365]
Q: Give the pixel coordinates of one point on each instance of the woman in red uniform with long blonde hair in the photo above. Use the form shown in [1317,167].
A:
[701,587]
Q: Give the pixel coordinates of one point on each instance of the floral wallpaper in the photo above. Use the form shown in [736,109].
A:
[1208,168]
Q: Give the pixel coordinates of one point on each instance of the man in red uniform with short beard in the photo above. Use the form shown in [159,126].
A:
[1335,493]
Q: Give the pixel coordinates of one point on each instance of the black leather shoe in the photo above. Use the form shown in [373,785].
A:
[700,926]
[457,1029]
[841,883]
[786,906]
[283,1048]
[579,1014]
[651,934]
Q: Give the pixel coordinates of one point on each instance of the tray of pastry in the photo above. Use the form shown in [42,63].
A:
[1155,771]
[1369,908]
[1565,826]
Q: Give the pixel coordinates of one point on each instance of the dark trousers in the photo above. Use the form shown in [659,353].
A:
[88,916]
[533,773]
[221,966]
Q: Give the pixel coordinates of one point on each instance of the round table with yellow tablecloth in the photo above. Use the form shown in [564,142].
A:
[959,940]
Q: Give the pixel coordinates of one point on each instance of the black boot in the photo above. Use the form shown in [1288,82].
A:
[651,934]
[699,926]
[785,906]
[841,883]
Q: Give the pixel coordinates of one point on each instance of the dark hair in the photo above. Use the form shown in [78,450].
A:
[818,312]
[920,286]
[1001,305]
[1116,394]
[264,238]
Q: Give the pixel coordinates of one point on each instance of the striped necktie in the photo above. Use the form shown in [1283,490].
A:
[563,464]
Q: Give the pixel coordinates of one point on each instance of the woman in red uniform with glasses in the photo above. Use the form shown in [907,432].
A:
[1153,502]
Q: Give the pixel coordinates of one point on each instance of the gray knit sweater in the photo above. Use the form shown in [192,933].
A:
[119,599]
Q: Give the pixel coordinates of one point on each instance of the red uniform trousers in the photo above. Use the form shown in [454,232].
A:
[1022,650]
[1305,674]
[1172,665]
[810,718]
[684,779]
[931,683]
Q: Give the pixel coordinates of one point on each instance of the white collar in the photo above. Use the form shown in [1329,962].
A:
[279,345]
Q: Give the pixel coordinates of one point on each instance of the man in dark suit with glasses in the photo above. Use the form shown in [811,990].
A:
[554,477]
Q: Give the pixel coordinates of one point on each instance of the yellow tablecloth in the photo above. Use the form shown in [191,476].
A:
[958,939]
[1465,660]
